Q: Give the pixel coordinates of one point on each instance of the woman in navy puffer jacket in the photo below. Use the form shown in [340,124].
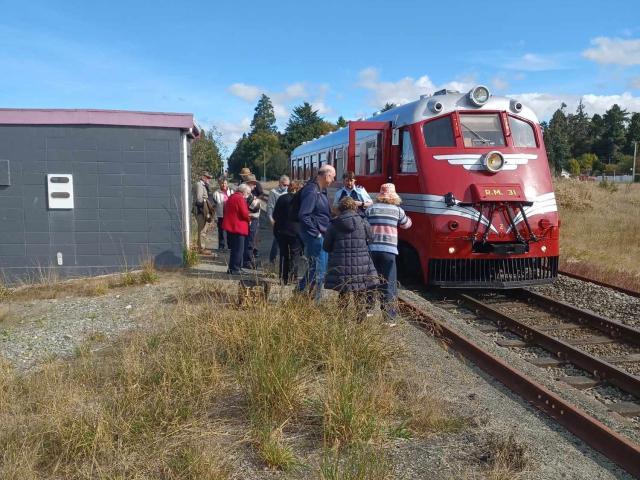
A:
[350,267]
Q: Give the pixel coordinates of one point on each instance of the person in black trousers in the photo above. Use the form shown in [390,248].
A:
[286,232]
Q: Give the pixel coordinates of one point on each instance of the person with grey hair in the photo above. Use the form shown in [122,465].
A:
[236,223]
[274,195]
[314,216]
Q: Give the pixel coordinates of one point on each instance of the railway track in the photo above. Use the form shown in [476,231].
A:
[599,349]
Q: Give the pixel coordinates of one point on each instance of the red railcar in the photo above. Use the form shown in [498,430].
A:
[473,175]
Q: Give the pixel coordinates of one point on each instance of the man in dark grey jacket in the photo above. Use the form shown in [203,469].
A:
[314,216]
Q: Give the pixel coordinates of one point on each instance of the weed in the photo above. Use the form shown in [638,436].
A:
[148,274]
[189,257]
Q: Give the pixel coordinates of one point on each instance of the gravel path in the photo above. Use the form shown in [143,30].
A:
[34,331]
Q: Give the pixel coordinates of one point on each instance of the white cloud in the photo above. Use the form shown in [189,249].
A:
[533,62]
[231,131]
[615,51]
[499,83]
[635,82]
[283,100]
[406,89]
[246,92]
[544,104]
[402,91]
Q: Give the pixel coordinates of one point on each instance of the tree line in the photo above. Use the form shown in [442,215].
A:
[581,144]
[265,150]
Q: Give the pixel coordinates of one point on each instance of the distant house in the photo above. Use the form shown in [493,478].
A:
[85,192]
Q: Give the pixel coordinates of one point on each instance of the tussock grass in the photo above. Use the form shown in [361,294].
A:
[600,231]
[146,406]
[362,462]
[506,457]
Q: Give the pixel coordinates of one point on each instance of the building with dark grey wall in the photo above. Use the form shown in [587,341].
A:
[85,192]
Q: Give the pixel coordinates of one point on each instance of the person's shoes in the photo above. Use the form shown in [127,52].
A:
[205,251]
[234,272]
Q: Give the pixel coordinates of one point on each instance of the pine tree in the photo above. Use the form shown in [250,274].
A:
[578,125]
[388,106]
[341,123]
[633,133]
[614,135]
[304,124]
[596,130]
[556,139]
[264,118]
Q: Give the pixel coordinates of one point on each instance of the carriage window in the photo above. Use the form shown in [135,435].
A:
[407,159]
[374,156]
[482,130]
[521,133]
[307,169]
[438,133]
[322,158]
[314,165]
[338,155]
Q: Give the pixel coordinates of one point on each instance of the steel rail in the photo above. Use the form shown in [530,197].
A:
[562,350]
[611,444]
[612,328]
[626,291]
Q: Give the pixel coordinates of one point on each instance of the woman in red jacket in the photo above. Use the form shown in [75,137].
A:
[236,224]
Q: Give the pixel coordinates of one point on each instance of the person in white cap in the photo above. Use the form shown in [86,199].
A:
[385,217]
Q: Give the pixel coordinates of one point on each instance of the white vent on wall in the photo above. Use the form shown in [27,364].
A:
[60,191]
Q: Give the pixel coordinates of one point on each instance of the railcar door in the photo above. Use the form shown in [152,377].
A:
[369,153]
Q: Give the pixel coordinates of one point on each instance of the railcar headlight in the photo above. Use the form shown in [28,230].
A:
[479,95]
[494,161]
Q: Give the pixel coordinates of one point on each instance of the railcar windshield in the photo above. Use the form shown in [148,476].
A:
[522,133]
[482,130]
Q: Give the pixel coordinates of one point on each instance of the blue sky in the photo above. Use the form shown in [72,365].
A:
[346,58]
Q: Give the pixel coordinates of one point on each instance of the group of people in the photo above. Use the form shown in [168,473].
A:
[350,245]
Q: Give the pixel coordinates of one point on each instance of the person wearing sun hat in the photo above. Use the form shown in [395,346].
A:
[385,217]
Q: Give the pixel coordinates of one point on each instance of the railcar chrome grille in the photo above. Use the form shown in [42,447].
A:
[492,273]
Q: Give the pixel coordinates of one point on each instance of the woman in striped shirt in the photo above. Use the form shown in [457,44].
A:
[385,217]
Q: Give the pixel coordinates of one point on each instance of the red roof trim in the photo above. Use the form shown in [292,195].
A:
[24,116]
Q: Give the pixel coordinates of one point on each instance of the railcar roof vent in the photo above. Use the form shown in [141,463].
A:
[426,95]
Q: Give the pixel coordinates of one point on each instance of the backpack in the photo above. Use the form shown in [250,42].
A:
[294,207]
[296,200]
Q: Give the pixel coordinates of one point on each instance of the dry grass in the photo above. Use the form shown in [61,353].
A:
[46,285]
[600,231]
[506,458]
[143,408]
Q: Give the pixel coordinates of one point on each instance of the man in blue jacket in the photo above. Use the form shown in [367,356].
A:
[314,217]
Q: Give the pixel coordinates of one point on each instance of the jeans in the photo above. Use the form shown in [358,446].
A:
[274,250]
[385,264]
[290,250]
[250,244]
[236,244]
[317,264]
[220,234]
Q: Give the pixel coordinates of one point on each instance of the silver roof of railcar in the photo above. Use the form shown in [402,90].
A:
[414,112]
